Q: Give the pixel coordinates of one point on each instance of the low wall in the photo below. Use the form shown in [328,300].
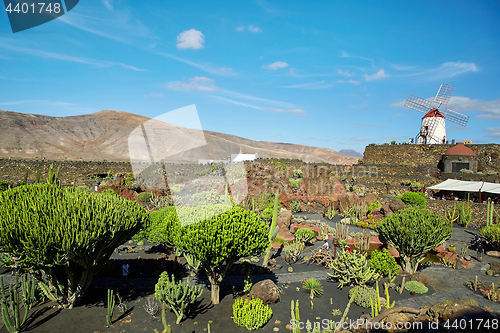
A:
[478,210]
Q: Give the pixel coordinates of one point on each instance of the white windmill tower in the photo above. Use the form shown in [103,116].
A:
[433,128]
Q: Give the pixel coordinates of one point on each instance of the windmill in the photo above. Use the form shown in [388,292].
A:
[433,128]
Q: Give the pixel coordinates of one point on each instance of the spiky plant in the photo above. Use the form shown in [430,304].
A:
[314,286]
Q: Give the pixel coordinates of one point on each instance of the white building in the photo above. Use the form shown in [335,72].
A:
[243,157]
[433,128]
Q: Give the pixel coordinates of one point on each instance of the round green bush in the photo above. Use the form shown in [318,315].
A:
[417,199]
[362,297]
[251,313]
[416,286]
[144,197]
[295,207]
[384,263]
[304,234]
[492,235]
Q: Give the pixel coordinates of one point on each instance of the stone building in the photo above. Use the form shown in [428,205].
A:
[459,157]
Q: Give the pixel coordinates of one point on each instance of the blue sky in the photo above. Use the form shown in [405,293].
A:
[331,74]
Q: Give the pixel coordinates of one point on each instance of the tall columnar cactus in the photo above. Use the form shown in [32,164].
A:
[176,295]
[352,269]
[295,316]
[111,307]
[53,176]
[13,304]
[273,230]
[28,287]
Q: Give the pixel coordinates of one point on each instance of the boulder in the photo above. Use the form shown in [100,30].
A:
[493,254]
[386,210]
[396,204]
[266,290]
[285,234]
[284,218]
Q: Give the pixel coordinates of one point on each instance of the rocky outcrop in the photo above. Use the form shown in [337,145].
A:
[266,290]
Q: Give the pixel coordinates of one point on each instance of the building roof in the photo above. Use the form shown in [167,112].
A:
[433,113]
[460,149]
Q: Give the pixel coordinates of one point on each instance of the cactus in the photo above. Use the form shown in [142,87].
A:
[295,316]
[388,304]
[273,230]
[53,176]
[111,307]
[13,304]
[166,327]
[192,261]
[25,178]
[176,295]
[28,287]
[352,269]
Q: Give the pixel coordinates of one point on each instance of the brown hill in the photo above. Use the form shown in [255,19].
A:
[105,136]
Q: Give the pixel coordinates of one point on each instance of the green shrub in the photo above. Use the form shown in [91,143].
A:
[298,172]
[295,207]
[155,218]
[491,172]
[372,144]
[86,188]
[384,263]
[144,197]
[403,164]
[352,269]
[314,286]
[295,182]
[374,205]
[176,188]
[4,185]
[416,286]
[414,232]
[414,199]
[64,236]
[304,235]
[199,198]
[362,297]
[393,142]
[492,235]
[108,192]
[251,313]
[466,171]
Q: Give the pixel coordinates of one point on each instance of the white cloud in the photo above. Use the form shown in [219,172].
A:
[377,76]
[447,70]
[107,4]
[494,132]
[195,83]
[34,101]
[349,81]
[190,39]
[346,73]
[276,65]
[397,104]
[399,115]
[223,71]
[240,103]
[310,86]
[359,139]
[486,109]
[250,28]
[294,112]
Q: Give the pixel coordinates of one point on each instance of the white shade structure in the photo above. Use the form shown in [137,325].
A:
[466,186]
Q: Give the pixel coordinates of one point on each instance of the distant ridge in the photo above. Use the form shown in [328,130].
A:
[104,136]
[350,152]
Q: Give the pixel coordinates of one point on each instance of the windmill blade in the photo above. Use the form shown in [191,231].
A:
[444,93]
[432,129]
[417,103]
[455,117]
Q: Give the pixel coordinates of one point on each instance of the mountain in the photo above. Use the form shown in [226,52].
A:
[105,135]
[350,152]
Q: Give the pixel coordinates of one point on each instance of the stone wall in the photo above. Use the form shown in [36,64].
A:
[417,155]
[478,210]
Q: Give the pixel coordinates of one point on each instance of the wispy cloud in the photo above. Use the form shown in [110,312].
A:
[250,28]
[239,103]
[369,125]
[345,73]
[190,39]
[402,67]
[345,55]
[310,86]
[35,101]
[494,132]
[107,4]
[447,70]
[276,65]
[195,83]
[279,104]
[58,56]
[359,139]
[485,109]
[222,71]
[388,137]
[294,112]
[377,76]
[399,115]
[349,81]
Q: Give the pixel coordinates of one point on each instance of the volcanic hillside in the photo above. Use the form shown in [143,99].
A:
[104,136]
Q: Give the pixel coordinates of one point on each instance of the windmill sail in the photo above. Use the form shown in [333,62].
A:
[444,94]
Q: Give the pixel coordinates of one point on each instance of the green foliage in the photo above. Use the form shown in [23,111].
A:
[144,197]
[352,269]
[304,235]
[414,199]
[218,241]
[372,144]
[491,234]
[374,205]
[295,182]
[295,207]
[111,307]
[273,229]
[298,172]
[291,251]
[466,171]
[13,304]
[84,188]
[52,177]
[176,188]
[314,286]
[393,142]
[362,296]
[108,192]
[414,232]
[403,164]
[416,286]
[251,313]
[384,263]
[176,296]
[64,236]
[4,185]
[464,213]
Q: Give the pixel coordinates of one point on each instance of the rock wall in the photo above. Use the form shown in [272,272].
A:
[478,210]
[417,155]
